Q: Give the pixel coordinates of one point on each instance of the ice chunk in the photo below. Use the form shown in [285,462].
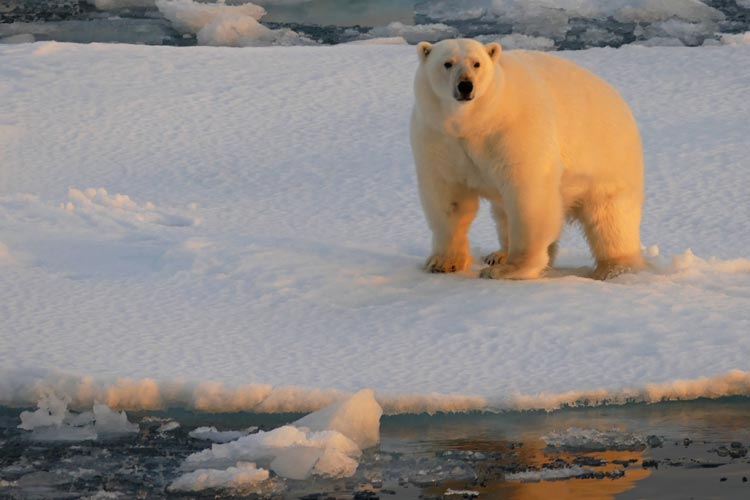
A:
[51,411]
[651,11]
[461,493]
[519,41]
[595,440]
[244,31]
[335,463]
[296,462]
[108,421]
[521,11]
[691,34]
[217,436]
[122,4]
[452,10]
[243,476]
[555,18]
[291,444]
[53,422]
[168,427]
[357,418]
[327,442]
[226,25]
[188,16]
[548,474]
[415,34]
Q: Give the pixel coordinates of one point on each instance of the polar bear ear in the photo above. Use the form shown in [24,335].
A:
[493,50]
[423,49]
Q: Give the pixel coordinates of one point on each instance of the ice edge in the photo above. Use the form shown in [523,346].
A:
[25,389]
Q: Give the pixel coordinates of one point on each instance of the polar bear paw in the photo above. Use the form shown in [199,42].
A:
[509,272]
[446,263]
[495,258]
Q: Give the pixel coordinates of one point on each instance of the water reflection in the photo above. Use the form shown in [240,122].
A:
[533,454]
[514,441]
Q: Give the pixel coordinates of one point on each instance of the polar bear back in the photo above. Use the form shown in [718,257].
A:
[594,129]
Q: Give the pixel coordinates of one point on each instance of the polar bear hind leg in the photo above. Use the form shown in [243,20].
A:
[611,224]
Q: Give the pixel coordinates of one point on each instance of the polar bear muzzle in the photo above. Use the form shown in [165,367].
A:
[464,91]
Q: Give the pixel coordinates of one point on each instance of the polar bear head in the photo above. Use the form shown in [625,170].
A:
[458,71]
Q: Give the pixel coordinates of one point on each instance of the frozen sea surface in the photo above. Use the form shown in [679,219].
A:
[229,229]
[533,24]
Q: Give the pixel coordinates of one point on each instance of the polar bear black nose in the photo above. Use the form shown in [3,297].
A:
[465,88]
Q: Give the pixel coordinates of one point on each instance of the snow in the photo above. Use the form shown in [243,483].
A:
[324,443]
[239,229]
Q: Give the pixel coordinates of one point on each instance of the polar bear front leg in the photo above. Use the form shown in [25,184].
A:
[501,223]
[449,209]
[534,221]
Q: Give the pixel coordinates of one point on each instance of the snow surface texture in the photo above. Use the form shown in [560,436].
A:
[324,443]
[264,250]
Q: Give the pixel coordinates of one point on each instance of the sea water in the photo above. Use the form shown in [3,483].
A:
[664,450]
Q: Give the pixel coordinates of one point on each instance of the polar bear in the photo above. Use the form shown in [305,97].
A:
[542,139]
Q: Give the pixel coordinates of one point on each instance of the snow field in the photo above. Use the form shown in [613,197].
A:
[239,229]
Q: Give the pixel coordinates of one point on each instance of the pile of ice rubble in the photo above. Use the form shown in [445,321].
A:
[226,25]
[53,422]
[327,443]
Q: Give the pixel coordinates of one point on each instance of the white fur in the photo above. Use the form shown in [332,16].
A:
[542,139]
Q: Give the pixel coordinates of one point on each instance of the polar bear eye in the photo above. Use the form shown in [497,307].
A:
[476,64]
[448,65]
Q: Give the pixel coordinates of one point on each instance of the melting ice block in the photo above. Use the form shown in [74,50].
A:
[357,418]
[327,442]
